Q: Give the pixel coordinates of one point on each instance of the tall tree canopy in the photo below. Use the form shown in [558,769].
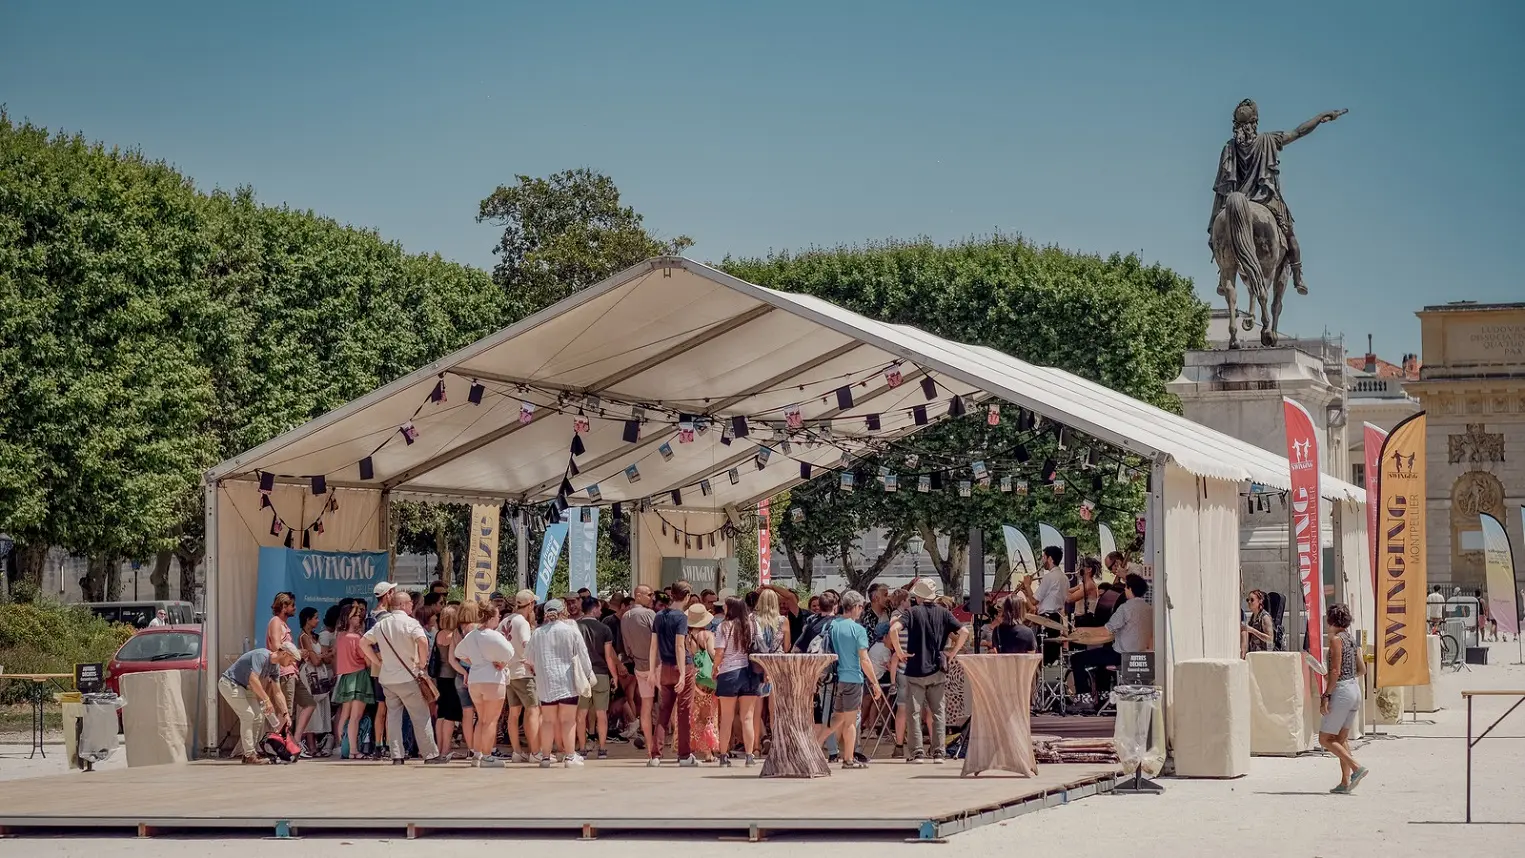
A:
[151,330]
[563,233]
[1114,320]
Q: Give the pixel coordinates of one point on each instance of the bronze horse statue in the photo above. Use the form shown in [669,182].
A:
[1248,244]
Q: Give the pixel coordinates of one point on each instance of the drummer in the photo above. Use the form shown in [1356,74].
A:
[1131,629]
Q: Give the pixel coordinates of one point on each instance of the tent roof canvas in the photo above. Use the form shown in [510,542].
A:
[685,338]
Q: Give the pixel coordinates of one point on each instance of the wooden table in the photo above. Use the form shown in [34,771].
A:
[795,752]
[1468,695]
[1000,713]
[37,695]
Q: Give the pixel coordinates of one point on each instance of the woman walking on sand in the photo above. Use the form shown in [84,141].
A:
[1341,703]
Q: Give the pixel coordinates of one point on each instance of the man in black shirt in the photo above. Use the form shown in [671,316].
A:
[930,626]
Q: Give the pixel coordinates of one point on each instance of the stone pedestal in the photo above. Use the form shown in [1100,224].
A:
[1239,393]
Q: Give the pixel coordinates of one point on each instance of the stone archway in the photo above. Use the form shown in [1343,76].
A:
[1473,492]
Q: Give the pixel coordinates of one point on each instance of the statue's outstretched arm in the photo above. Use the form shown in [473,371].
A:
[1306,128]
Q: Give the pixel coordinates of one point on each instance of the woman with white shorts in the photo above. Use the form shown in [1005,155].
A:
[1341,703]
[485,653]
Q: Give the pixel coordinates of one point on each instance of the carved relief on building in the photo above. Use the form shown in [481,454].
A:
[1472,493]
[1475,447]
[1475,492]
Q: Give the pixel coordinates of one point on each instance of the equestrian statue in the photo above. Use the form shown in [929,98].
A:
[1250,230]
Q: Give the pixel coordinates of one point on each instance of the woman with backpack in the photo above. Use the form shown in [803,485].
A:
[737,681]
[703,725]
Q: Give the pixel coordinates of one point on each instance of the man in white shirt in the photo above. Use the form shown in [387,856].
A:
[403,656]
[1052,589]
[161,618]
[1131,629]
[1435,605]
[521,682]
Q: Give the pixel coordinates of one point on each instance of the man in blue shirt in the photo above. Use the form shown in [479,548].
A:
[849,640]
[252,687]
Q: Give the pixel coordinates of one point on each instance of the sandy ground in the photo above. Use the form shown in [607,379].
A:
[1411,805]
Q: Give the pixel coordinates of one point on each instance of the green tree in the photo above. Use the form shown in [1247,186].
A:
[1113,320]
[564,233]
[103,395]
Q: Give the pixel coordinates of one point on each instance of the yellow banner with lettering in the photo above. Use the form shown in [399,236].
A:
[482,573]
[1402,652]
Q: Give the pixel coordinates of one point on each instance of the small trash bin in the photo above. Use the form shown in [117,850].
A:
[1139,735]
[96,737]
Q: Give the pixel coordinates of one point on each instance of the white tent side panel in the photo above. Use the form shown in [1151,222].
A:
[1200,572]
[243,527]
[1355,565]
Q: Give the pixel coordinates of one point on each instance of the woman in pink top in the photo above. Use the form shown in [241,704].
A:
[277,635]
[353,690]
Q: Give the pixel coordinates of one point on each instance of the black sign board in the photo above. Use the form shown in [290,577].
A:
[1137,669]
[88,677]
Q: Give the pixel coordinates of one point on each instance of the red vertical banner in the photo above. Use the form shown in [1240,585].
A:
[764,546]
[1372,445]
[1303,503]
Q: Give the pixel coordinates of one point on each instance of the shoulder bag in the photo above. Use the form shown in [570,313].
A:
[426,687]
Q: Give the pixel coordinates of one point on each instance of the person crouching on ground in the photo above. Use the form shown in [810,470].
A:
[1341,704]
[252,687]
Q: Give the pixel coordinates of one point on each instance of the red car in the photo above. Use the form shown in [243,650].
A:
[157,648]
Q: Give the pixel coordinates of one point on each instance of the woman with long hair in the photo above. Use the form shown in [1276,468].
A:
[1009,635]
[1085,594]
[353,690]
[1257,634]
[703,725]
[736,681]
[1341,704]
[313,719]
[483,655]
[447,711]
[558,656]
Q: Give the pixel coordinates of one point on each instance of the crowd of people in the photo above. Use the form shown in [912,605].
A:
[502,681]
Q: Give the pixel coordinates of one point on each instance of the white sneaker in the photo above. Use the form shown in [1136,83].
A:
[489,763]
[522,757]
[545,762]
[689,761]
[572,761]
[653,762]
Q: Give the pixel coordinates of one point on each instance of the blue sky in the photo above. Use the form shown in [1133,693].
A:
[1095,126]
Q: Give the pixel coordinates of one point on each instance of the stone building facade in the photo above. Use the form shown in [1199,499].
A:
[1472,387]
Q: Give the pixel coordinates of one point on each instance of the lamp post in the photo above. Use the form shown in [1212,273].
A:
[914,545]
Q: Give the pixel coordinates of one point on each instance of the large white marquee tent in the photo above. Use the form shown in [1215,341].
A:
[693,340]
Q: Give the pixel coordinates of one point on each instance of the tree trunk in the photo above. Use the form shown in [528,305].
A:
[861,579]
[188,561]
[113,579]
[803,565]
[93,585]
[159,578]
[444,569]
[31,559]
[950,568]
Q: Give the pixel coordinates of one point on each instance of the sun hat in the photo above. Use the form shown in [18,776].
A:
[726,593]
[383,588]
[524,597]
[699,617]
[924,589]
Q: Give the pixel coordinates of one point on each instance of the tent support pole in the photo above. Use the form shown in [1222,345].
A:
[521,547]
[213,626]
[1154,555]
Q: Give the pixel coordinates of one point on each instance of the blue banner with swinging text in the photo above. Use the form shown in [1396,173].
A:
[550,553]
[315,579]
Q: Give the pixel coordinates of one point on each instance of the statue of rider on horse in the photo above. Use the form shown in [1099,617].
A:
[1250,230]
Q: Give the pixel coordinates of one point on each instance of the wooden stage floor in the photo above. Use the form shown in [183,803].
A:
[893,799]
